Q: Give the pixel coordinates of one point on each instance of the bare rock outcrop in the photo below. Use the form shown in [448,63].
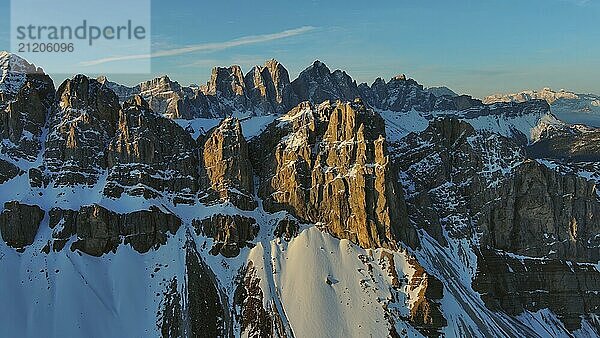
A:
[26,98]
[287,229]
[451,163]
[231,233]
[519,205]
[19,224]
[256,319]
[398,94]
[8,171]
[425,314]
[226,171]
[169,317]
[200,308]
[207,309]
[570,289]
[269,88]
[80,129]
[329,165]
[164,96]
[142,163]
[564,142]
[541,213]
[318,84]
[169,98]
[99,231]
[534,229]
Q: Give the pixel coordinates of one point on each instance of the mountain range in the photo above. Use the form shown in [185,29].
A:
[568,106]
[260,206]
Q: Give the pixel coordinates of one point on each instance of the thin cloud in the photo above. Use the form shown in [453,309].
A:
[207,47]
[580,3]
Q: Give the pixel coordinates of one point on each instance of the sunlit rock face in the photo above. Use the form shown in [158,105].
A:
[328,164]
[226,171]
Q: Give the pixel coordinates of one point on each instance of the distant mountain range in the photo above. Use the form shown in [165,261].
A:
[568,106]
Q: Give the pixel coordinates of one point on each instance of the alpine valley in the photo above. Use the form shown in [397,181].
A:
[258,206]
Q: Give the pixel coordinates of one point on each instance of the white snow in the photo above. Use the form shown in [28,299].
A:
[350,305]
[251,126]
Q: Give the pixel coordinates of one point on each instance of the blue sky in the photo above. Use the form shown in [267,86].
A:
[474,47]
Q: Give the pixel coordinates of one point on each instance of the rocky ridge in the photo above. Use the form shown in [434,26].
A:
[26,97]
[333,155]
[533,217]
[568,106]
[268,89]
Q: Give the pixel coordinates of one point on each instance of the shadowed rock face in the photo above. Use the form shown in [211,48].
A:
[329,165]
[528,211]
[80,129]
[425,314]
[399,94]
[540,213]
[142,163]
[100,231]
[170,314]
[231,233]
[269,88]
[8,171]
[207,311]
[226,169]
[569,289]
[248,302]
[255,320]
[200,309]
[318,84]
[569,143]
[19,224]
[26,98]
[227,86]
[450,162]
[287,229]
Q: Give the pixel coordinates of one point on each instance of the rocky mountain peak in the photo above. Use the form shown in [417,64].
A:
[136,103]
[226,164]
[442,91]
[324,163]
[319,67]
[81,92]
[378,82]
[318,84]
[269,89]
[227,81]
[26,98]
[13,71]
[80,128]
[272,64]
[399,77]
[13,63]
